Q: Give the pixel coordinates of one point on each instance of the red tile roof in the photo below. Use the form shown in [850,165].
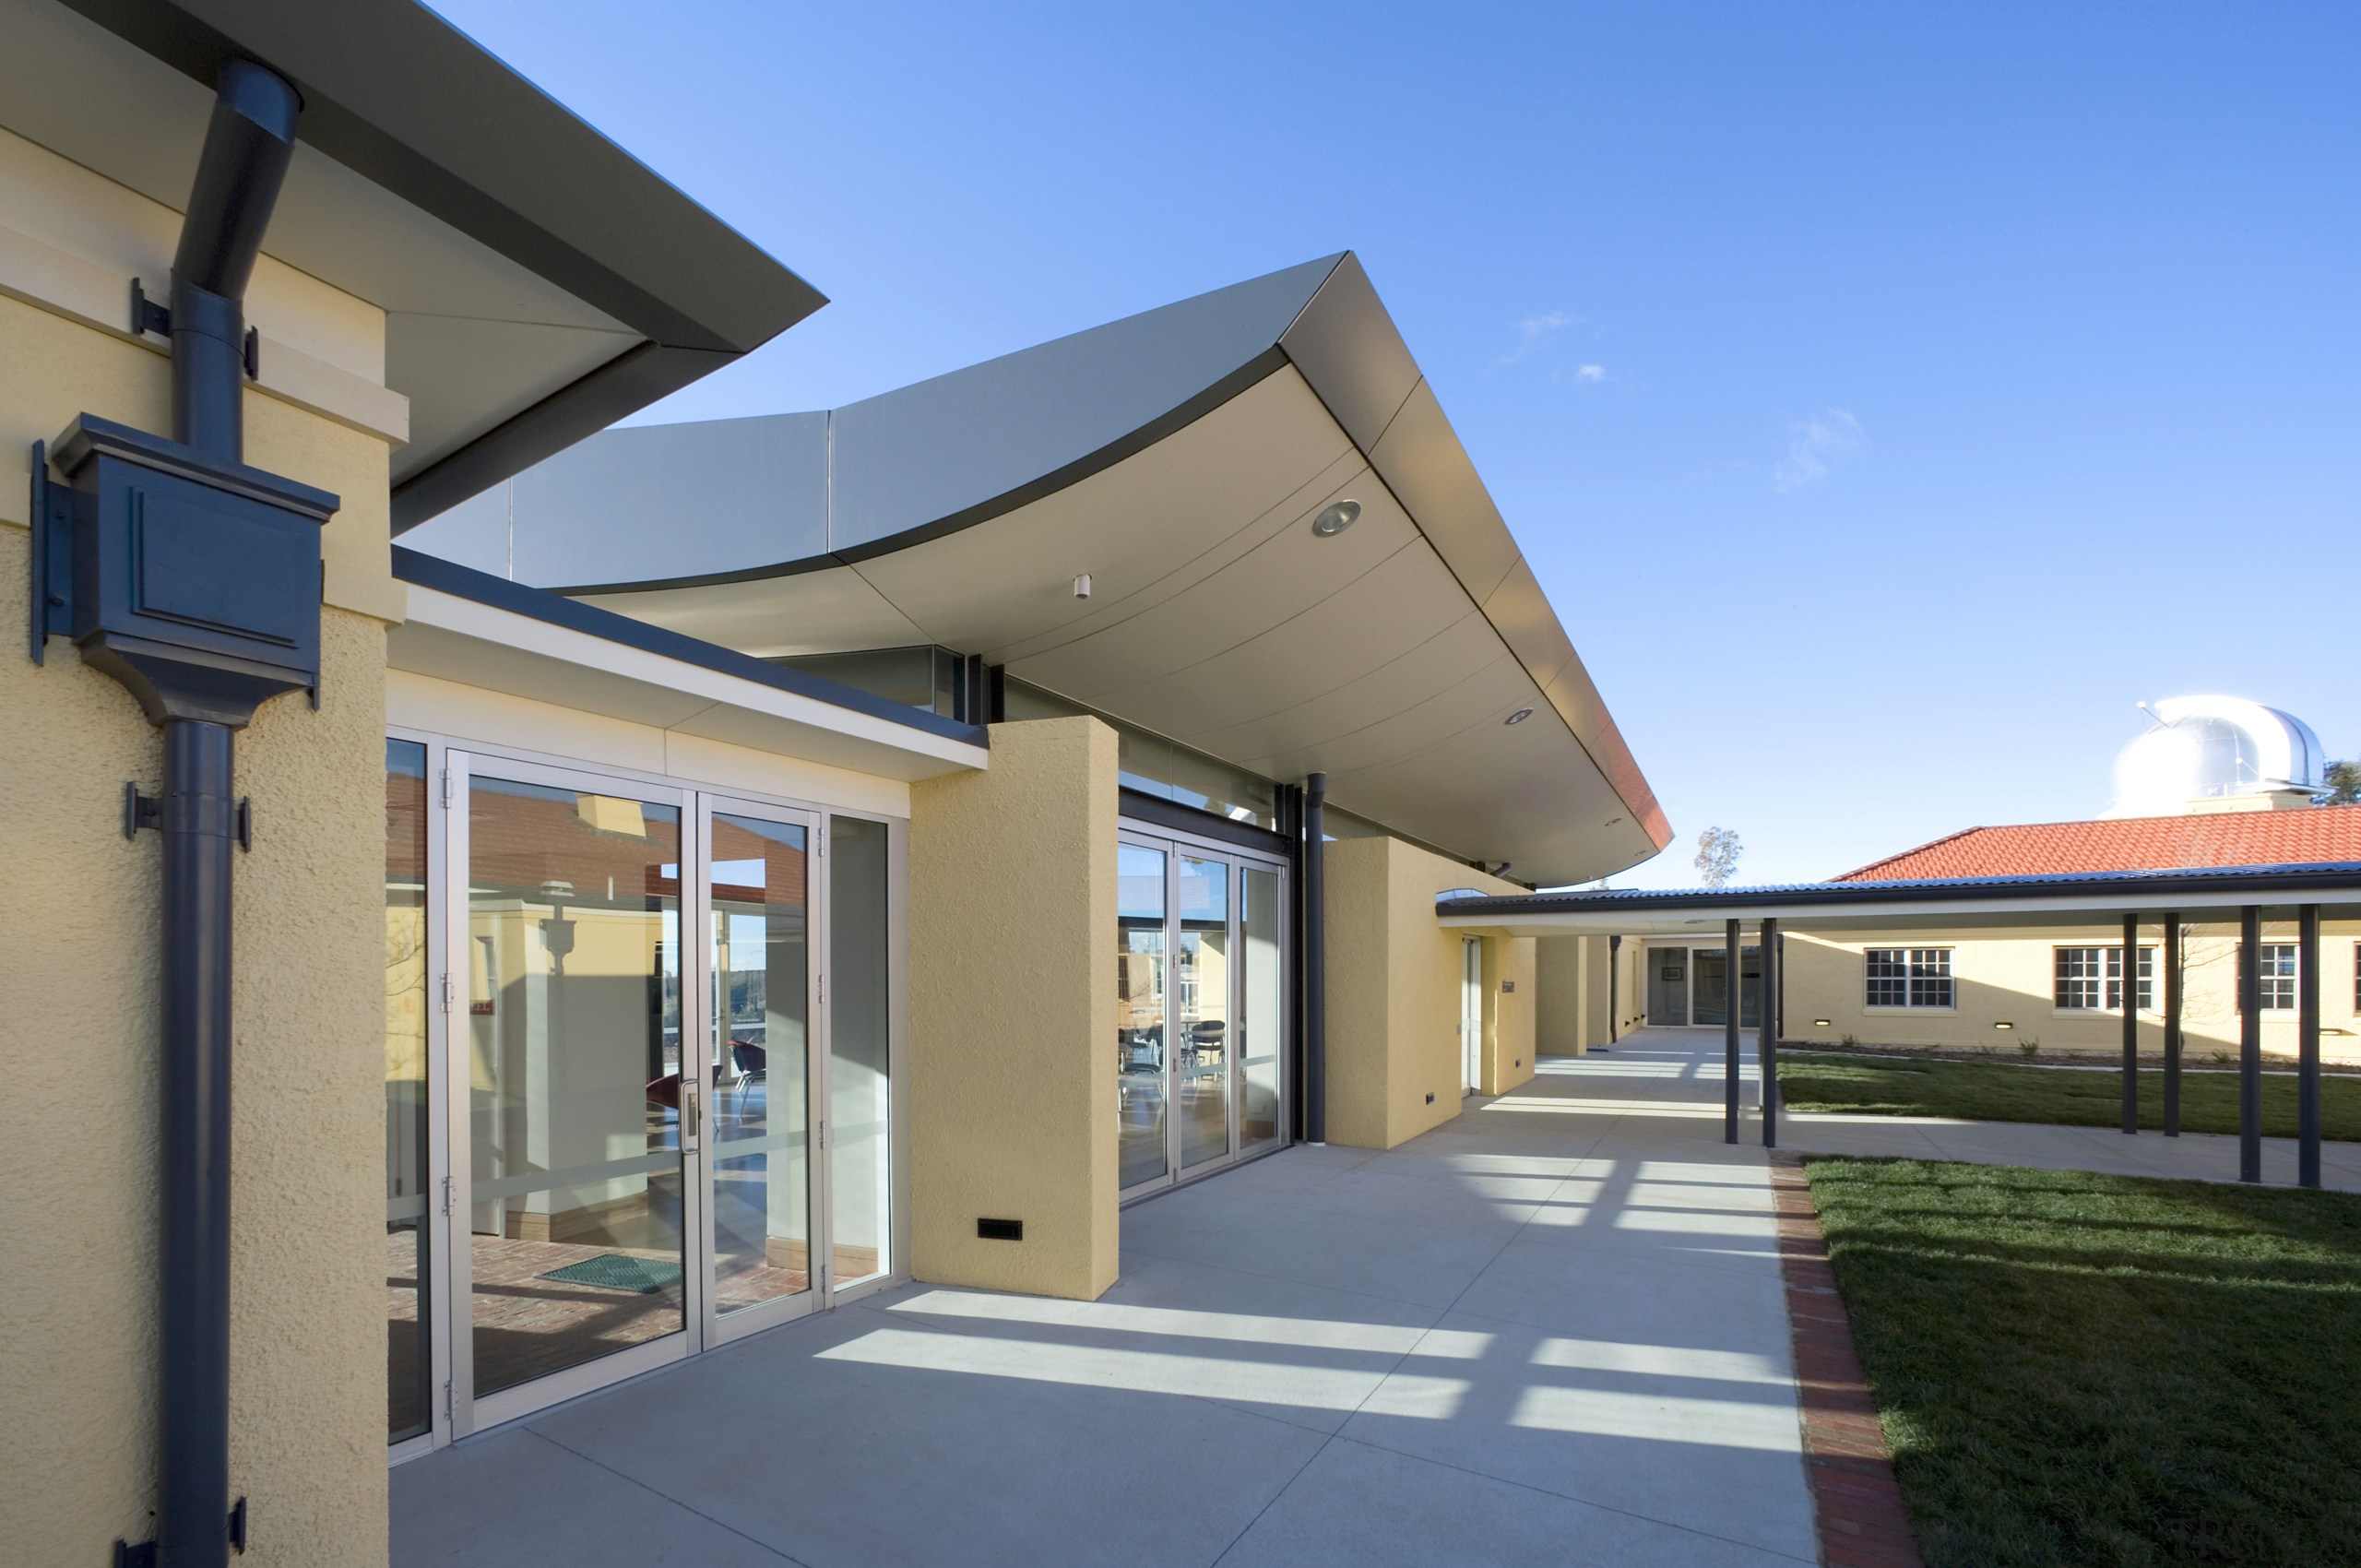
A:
[2301,837]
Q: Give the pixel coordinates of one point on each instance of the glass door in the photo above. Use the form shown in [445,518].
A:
[572,1246]
[1471,1016]
[756,1055]
[1201,1015]
[1201,977]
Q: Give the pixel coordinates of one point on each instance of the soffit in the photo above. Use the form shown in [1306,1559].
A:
[421,183]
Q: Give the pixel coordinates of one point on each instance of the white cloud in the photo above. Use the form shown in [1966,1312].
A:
[1535,331]
[1817,442]
[1590,372]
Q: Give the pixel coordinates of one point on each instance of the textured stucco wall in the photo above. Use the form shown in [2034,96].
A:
[78,1039]
[2014,978]
[1568,1006]
[1012,1014]
[1393,979]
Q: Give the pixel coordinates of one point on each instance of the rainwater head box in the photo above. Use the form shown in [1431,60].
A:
[194,580]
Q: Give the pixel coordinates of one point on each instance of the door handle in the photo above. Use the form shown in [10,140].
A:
[692,1114]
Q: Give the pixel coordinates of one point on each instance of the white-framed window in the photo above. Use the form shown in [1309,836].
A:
[2090,980]
[1906,977]
[2276,976]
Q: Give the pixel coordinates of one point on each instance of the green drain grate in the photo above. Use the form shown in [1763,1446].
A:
[618,1271]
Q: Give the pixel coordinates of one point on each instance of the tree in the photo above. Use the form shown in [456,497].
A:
[1717,853]
[2343,781]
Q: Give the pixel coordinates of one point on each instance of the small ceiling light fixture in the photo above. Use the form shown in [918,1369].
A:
[1519,717]
[1082,585]
[1335,519]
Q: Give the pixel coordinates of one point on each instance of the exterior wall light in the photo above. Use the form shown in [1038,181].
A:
[1337,518]
[2004,1024]
[1820,1022]
[1519,717]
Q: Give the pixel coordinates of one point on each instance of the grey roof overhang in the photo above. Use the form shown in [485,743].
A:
[402,98]
[874,503]
[2020,899]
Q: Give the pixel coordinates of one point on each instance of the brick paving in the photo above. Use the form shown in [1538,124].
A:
[1855,1501]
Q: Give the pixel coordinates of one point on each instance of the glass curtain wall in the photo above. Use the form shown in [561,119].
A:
[409,1281]
[860,1099]
[575,1090]
[757,1054]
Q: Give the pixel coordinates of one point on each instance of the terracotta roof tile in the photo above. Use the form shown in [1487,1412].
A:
[2137,843]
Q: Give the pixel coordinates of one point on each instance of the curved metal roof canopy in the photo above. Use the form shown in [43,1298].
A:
[1178,457]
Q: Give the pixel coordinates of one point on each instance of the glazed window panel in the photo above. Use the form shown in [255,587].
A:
[409,1282]
[2276,976]
[1907,977]
[2090,980]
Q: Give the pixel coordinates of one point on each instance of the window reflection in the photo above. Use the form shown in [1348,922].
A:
[860,1097]
[407,1280]
[576,1078]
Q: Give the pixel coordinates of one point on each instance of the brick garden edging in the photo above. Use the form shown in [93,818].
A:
[1857,1504]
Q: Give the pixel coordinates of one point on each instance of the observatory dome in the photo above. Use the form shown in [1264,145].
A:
[2204,750]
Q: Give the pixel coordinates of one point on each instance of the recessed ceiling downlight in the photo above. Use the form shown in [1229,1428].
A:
[1337,518]
[1520,716]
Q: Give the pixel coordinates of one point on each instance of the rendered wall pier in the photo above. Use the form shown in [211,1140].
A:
[79,1030]
[1393,994]
[1012,1057]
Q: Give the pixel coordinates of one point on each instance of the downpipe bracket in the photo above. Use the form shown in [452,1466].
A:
[144,1554]
[147,810]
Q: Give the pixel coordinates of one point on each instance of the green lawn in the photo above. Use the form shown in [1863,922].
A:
[2081,1369]
[2007,1091]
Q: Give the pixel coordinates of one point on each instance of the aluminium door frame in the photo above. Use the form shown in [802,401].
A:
[468,1411]
[818,1221]
[1172,843]
[435,1296]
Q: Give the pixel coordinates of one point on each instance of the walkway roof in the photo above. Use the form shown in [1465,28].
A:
[1178,457]
[2076,899]
[539,282]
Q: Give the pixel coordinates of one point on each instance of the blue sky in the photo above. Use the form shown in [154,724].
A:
[1888,396]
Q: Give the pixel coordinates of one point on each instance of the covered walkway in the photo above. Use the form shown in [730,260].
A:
[1550,1331]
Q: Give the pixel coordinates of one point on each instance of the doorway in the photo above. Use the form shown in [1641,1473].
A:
[1200,1010]
[664,1073]
[1471,1016]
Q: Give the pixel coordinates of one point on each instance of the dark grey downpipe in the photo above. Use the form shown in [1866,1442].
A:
[247,148]
[247,151]
[1315,961]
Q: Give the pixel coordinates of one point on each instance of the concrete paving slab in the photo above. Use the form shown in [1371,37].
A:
[1355,1505]
[1548,1332]
[517,1498]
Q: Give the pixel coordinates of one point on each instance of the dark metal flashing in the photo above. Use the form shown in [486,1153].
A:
[2309,880]
[624,384]
[1142,806]
[400,97]
[1179,418]
[539,604]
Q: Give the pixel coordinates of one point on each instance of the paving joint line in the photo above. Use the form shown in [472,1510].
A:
[658,1491]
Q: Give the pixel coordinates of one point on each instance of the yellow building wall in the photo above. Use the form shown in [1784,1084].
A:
[1571,1005]
[1393,978]
[1013,1027]
[2012,979]
[78,1123]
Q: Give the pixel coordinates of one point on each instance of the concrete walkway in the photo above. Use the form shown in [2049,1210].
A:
[2197,1156]
[1551,1331]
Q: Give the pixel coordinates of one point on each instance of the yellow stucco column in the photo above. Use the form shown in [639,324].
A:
[79,1032]
[1393,994]
[1012,1014]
